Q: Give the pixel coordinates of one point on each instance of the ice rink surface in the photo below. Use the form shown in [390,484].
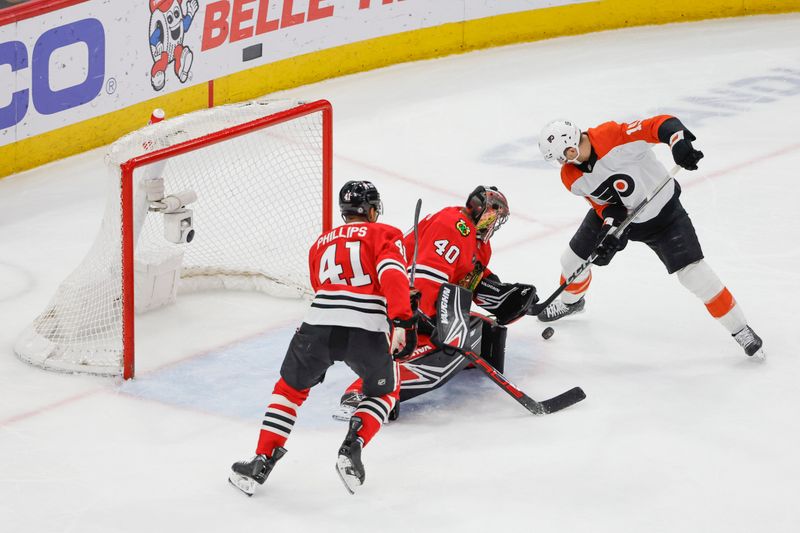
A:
[680,432]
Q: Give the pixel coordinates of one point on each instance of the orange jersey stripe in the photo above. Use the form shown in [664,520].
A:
[720,304]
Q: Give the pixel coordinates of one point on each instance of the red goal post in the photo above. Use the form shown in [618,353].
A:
[320,106]
[237,169]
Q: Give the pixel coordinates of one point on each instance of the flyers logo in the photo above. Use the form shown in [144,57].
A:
[614,189]
[462,227]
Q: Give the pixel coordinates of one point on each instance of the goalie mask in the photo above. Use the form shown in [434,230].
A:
[488,209]
[357,197]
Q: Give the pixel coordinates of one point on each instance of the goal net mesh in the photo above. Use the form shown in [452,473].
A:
[259,205]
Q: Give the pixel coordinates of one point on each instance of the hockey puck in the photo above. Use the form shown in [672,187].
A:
[547,332]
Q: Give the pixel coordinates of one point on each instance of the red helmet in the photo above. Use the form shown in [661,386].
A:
[162,5]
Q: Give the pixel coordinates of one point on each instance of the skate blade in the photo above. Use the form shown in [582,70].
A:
[244,484]
[344,468]
[343,414]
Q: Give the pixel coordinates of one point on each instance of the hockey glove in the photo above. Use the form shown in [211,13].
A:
[507,301]
[404,337]
[683,152]
[610,243]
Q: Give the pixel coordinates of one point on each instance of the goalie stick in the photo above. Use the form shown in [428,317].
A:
[538,308]
[453,333]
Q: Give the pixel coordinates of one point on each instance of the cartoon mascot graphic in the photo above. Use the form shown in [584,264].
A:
[168,24]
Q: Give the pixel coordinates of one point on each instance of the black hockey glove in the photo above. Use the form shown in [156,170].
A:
[507,301]
[683,152]
[404,337]
[609,244]
[679,139]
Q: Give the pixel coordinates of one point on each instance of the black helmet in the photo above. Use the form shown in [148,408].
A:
[356,198]
[488,209]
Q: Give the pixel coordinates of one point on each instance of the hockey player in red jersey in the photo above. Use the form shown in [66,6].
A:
[358,273]
[613,166]
[454,247]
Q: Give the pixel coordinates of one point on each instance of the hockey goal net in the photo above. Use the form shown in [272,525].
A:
[247,185]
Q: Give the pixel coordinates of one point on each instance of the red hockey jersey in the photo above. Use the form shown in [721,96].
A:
[449,252]
[358,273]
[625,170]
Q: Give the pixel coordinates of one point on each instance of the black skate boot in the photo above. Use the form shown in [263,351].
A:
[349,465]
[751,342]
[348,405]
[559,309]
[394,414]
[245,474]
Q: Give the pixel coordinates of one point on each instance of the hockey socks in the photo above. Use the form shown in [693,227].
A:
[280,417]
[570,261]
[706,285]
[373,411]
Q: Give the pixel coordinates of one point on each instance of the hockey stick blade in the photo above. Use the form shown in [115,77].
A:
[556,403]
[563,400]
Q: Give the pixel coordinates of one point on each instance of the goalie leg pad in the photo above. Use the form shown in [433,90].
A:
[493,345]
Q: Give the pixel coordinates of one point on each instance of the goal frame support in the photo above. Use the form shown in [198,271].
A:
[126,186]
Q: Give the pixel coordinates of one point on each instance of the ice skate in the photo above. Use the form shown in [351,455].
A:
[559,309]
[751,343]
[349,465]
[245,474]
[348,405]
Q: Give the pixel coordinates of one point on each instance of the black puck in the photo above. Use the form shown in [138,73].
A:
[547,332]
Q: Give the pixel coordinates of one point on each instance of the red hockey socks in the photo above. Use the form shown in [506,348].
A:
[280,417]
[374,412]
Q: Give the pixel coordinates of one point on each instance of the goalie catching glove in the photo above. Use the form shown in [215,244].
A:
[507,301]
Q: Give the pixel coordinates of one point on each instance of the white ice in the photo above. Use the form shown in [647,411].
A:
[680,432]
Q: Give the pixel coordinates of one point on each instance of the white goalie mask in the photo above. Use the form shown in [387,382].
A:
[556,137]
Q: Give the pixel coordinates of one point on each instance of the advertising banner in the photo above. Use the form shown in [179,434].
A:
[99,56]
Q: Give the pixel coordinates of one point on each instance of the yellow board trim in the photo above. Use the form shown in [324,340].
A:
[375,53]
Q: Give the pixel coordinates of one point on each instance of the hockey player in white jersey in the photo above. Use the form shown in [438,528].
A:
[613,166]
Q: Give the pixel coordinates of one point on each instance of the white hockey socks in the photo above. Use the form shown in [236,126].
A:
[575,290]
[706,285]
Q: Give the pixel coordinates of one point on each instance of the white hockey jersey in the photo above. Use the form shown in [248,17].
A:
[623,169]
